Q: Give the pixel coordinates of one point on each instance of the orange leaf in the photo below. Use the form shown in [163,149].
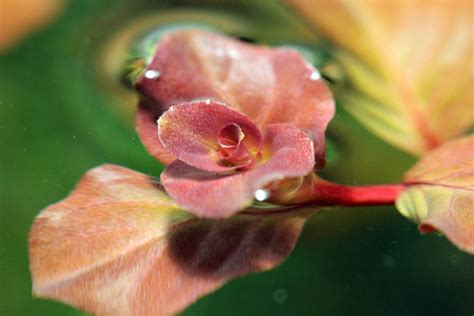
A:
[20,18]
[409,65]
[440,193]
[118,245]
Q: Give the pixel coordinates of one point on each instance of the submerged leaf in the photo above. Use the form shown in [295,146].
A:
[440,192]
[118,245]
[409,65]
[268,85]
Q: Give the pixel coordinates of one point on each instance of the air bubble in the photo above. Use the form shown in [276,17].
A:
[280,296]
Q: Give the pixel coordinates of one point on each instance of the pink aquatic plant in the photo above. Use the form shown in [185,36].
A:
[235,124]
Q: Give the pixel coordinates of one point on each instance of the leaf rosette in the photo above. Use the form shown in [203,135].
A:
[269,85]
[237,118]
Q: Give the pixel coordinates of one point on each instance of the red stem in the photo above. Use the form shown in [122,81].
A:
[327,193]
[321,192]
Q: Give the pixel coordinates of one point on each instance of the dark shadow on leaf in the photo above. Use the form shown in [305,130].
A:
[235,246]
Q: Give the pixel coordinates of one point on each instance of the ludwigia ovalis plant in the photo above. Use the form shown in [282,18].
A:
[240,129]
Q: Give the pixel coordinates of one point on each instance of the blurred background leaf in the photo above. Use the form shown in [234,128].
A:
[64,110]
[16,22]
[408,65]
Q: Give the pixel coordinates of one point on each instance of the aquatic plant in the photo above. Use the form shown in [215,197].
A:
[241,130]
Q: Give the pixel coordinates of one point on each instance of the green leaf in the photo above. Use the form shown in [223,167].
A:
[440,193]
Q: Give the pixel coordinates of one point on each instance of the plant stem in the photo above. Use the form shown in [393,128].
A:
[317,191]
[327,193]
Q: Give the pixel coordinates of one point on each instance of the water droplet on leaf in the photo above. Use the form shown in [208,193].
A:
[315,75]
[152,74]
[233,53]
[261,195]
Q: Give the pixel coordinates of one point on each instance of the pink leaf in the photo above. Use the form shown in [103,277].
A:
[287,152]
[440,192]
[209,135]
[119,246]
[268,85]
[147,128]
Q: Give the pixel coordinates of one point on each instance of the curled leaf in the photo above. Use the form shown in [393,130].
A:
[268,85]
[147,128]
[440,192]
[118,245]
[207,194]
[209,135]
[408,63]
